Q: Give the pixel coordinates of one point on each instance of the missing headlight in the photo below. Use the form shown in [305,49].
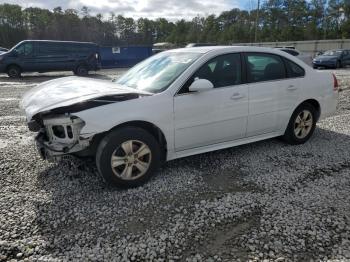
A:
[70,132]
[63,129]
[59,131]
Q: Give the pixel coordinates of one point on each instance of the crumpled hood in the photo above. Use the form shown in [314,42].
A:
[68,91]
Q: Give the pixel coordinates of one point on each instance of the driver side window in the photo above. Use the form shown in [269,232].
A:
[25,49]
[221,71]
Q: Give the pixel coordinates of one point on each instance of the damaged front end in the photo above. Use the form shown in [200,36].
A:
[60,135]
[51,106]
[59,130]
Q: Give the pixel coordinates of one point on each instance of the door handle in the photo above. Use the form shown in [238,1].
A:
[237,96]
[292,88]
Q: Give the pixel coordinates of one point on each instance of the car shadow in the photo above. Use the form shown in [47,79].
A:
[81,203]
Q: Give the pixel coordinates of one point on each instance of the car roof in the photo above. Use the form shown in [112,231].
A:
[207,49]
[57,41]
[286,48]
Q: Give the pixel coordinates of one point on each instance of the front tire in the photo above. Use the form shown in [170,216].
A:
[128,157]
[14,71]
[301,125]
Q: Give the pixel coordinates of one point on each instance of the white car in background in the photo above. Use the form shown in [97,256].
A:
[179,103]
[306,58]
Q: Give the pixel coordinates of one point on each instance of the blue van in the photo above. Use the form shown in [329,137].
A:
[46,56]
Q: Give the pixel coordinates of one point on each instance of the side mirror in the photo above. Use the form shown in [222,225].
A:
[14,53]
[200,85]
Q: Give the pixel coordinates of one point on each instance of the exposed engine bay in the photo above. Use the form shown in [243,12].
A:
[59,131]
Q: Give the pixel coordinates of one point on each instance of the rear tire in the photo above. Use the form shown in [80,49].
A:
[14,71]
[301,125]
[81,70]
[128,157]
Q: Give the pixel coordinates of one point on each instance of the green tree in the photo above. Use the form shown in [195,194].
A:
[279,20]
[12,25]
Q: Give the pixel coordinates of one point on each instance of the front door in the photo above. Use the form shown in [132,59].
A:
[216,115]
[26,56]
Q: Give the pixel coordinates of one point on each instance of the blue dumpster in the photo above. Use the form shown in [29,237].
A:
[120,56]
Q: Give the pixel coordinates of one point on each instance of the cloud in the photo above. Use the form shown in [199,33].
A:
[152,9]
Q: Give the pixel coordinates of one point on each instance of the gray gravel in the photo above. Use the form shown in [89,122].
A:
[264,201]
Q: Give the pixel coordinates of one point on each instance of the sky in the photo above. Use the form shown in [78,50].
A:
[152,9]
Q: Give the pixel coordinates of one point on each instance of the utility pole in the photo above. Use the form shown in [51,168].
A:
[250,20]
[256,22]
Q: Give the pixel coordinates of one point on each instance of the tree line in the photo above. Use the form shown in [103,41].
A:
[275,20]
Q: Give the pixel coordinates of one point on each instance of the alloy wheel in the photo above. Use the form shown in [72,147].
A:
[82,71]
[13,72]
[303,124]
[131,160]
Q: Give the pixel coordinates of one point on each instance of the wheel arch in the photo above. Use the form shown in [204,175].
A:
[154,130]
[315,104]
[80,63]
[13,64]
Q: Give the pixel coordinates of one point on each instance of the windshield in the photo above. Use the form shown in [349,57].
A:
[16,46]
[333,53]
[158,72]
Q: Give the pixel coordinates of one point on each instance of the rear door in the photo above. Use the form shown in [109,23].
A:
[289,92]
[271,93]
[216,115]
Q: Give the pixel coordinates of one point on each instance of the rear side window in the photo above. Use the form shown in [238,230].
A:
[78,48]
[54,48]
[291,52]
[294,70]
[264,67]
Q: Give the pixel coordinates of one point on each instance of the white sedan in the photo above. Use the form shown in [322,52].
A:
[176,104]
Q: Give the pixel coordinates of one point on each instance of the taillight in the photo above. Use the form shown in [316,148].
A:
[335,83]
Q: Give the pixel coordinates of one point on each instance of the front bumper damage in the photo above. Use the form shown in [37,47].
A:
[60,136]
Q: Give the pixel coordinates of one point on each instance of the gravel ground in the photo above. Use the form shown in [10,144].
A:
[264,201]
